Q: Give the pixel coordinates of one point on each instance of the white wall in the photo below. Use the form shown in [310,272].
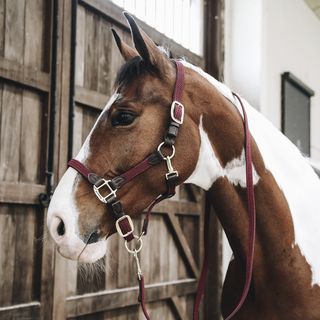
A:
[264,39]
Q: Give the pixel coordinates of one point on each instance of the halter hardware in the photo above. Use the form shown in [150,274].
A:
[119,229]
[98,194]
[173,113]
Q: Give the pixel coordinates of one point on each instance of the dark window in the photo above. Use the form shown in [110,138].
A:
[296,111]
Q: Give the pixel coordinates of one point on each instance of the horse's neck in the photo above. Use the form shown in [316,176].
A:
[286,188]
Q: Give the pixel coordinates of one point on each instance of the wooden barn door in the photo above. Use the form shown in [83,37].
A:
[26,265]
[35,281]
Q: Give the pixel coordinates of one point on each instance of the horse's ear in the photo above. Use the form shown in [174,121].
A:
[126,51]
[147,49]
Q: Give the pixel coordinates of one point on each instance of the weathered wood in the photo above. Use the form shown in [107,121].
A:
[24,254]
[7,253]
[34,29]
[91,51]
[179,308]
[89,118]
[105,41]
[80,49]
[22,311]
[91,98]
[72,277]
[10,133]
[77,130]
[47,274]
[112,263]
[18,73]
[2,26]
[107,300]
[30,137]
[14,30]
[184,245]
[20,192]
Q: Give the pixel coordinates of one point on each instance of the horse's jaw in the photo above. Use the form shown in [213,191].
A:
[63,213]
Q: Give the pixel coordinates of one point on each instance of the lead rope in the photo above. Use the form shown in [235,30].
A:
[252,228]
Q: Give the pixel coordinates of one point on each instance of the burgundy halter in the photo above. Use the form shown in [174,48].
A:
[124,223]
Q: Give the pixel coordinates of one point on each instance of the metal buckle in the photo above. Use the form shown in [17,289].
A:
[98,194]
[171,171]
[172,112]
[119,229]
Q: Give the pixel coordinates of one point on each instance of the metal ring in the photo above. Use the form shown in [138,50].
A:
[173,151]
[135,250]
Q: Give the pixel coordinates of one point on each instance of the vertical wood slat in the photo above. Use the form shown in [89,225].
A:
[10,133]
[91,51]
[80,49]
[104,53]
[7,253]
[2,26]
[30,137]
[77,130]
[24,254]
[61,155]
[34,30]
[14,30]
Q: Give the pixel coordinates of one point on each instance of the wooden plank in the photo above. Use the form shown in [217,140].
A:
[72,277]
[7,253]
[60,279]
[115,13]
[91,98]
[105,41]
[14,30]
[90,116]
[27,76]
[10,133]
[112,263]
[80,50]
[21,311]
[24,254]
[47,273]
[20,192]
[77,130]
[108,300]
[91,51]
[184,245]
[2,26]
[34,29]
[30,137]
[179,308]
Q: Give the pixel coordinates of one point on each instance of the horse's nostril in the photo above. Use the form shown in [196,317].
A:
[61,230]
[94,237]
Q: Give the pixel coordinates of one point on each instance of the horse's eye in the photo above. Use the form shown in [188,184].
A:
[122,118]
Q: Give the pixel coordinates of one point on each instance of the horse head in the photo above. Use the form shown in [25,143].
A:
[129,129]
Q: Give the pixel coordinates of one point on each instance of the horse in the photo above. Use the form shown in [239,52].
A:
[208,152]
